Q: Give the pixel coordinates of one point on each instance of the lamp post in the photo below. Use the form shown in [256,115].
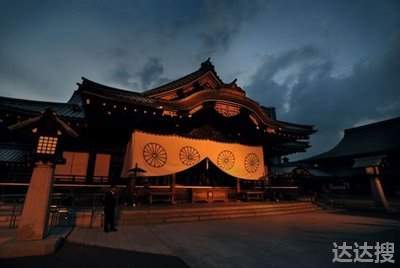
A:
[46,130]
[132,183]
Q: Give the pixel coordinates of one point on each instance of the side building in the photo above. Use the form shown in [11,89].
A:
[364,153]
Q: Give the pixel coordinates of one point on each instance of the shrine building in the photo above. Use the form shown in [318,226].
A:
[193,133]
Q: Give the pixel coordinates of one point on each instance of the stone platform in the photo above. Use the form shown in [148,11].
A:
[10,247]
[166,213]
[204,212]
[299,240]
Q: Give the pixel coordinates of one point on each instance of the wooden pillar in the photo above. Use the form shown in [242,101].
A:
[35,214]
[173,182]
[132,191]
[91,167]
[378,193]
[238,188]
[376,186]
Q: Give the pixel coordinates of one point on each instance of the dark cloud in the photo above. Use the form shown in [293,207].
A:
[150,75]
[121,75]
[301,84]
[346,77]
[16,76]
[222,21]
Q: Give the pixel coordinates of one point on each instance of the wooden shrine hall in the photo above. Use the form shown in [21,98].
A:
[196,138]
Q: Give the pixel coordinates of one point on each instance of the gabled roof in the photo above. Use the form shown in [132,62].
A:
[36,107]
[206,67]
[369,139]
[199,87]
[297,127]
[48,119]
[89,87]
[225,92]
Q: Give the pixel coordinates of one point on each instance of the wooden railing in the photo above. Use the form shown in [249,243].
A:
[62,210]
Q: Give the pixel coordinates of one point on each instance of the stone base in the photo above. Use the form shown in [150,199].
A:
[14,248]
[35,214]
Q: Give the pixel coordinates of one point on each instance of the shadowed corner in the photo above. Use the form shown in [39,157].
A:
[77,255]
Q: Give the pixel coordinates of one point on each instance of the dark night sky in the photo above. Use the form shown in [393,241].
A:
[334,64]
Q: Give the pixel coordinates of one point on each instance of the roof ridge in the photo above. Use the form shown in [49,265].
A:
[169,84]
[205,67]
[34,101]
[64,109]
[296,125]
[375,124]
[96,84]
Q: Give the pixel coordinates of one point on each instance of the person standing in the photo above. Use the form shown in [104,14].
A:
[109,210]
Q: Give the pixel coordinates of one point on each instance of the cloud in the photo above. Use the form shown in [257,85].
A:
[151,72]
[150,75]
[300,83]
[221,21]
[120,75]
[46,48]
[17,76]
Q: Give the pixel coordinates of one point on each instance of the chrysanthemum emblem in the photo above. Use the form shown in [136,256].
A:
[251,162]
[189,155]
[154,155]
[226,160]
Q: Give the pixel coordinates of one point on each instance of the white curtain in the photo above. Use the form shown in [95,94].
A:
[161,155]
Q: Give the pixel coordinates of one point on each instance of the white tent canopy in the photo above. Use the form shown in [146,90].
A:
[161,155]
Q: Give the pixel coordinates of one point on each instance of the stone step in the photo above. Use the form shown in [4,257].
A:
[166,214]
[186,213]
[155,211]
[132,219]
[208,209]
[215,217]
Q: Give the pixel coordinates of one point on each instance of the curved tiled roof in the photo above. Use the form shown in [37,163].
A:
[206,66]
[104,91]
[188,102]
[29,106]
[230,93]
[297,127]
[365,140]
[13,153]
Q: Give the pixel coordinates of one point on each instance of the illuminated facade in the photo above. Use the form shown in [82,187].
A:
[198,106]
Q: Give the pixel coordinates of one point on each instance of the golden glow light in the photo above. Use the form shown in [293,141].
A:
[227,110]
[169,113]
[162,155]
[47,145]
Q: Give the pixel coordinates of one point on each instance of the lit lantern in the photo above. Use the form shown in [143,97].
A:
[47,145]
[47,129]
[45,132]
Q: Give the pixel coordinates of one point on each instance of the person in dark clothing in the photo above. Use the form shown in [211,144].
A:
[109,210]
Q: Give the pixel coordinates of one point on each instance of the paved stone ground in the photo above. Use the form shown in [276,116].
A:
[81,256]
[297,240]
